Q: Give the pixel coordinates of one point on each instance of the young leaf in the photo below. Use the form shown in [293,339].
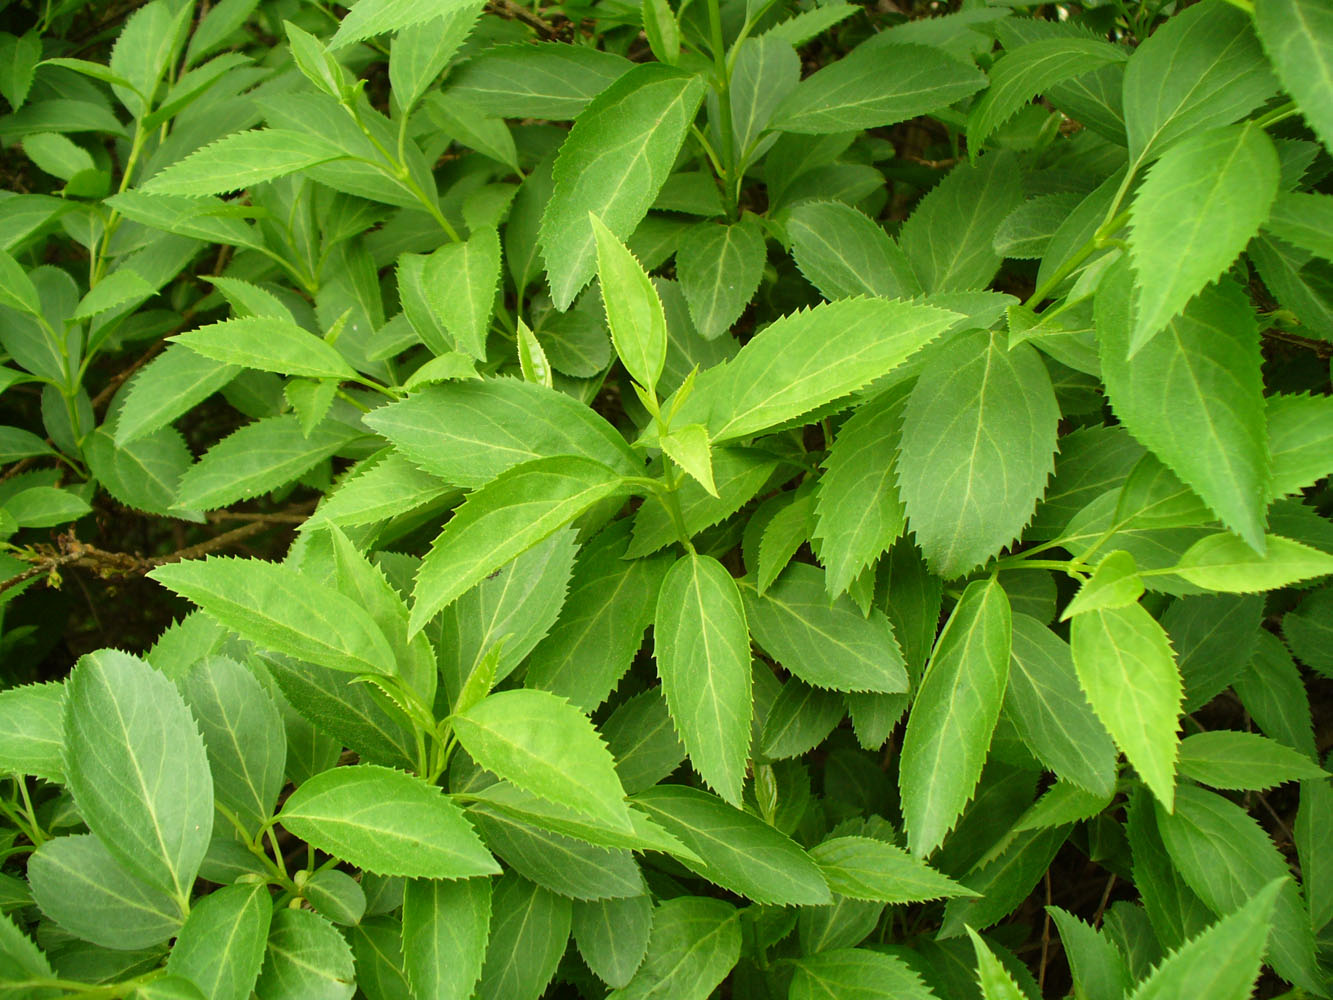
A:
[1194,395]
[702,649]
[32,731]
[268,344]
[949,730]
[1227,759]
[740,852]
[514,512]
[1223,562]
[528,934]
[1128,671]
[1297,35]
[875,86]
[845,254]
[831,646]
[612,936]
[445,929]
[243,159]
[633,310]
[532,358]
[972,464]
[694,943]
[613,163]
[1228,177]
[865,868]
[997,983]
[387,822]
[279,609]
[460,282]
[855,973]
[136,765]
[306,957]
[1115,583]
[221,946]
[541,743]
[720,267]
[689,448]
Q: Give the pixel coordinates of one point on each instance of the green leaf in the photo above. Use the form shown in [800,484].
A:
[45,507]
[1004,877]
[702,649]
[549,80]
[1114,583]
[1096,964]
[460,280]
[532,358]
[143,474]
[613,163]
[1200,204]
[243,159]
[972,463]
[467,433]
[1311,832]
[740,852]
[77,883]
[720,267]
[844,254]
[612,936]
[1225,856]
[876,86]
[1126,667]
[420,51]
[541,743]
[243,734]
[1227,759]
[135,763]
[1202,69]
[387,822]
[1300,438]
[633,310]
[799,719]
[1028,231]
[783,532]
[381,17]
[949,237]
[117,289]
[856,974]
[18,289]
[32,731]
[221,946]
[335,895]
[1224,562]
[858,511]
[171,384]
[21,56]
[689,448]
[997,983]
[807,359]
[1297,36]
[949,730]
[445,929]
[694,943]
[529,932]
[865,868]
[306,959]
[269,344]
[764,71]
[1223,961]
[507,517]
[828,644]
[259,457]
[1307,627]
[1194,396]
[1050,712]
[279,609]
[1273,692]
[640,735]
[1028,70]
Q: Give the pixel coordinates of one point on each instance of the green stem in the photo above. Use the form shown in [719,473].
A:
[1278,114]
[722,84]
[1098,240]
[672,504]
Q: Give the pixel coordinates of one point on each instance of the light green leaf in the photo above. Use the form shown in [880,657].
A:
[829,644]
[807,359]
[613,163]
[387,822]
[1128,671]
[445,929]
[306,959]
[875,86]
[382,17]
[541,743]
[116,289]
[18,291]
[467,433]
[460,283]
[1200,204]
[858,511]
[221,946]
[44,507]
[532,358]
[549,80]
[845,254]
[784,532]
[243,159]
[1194,396]
[507,517]
[259,457]
[78,884]
[973,462]
[1224,562]
[689,448]
[269,344]
[997,983]
[32,731]
[865,868]
[372,492]
[719,268]
[612,936]
[169,385]
[143,474]
[200,218]
[279,609]
[529,932]
[1202,69]
[1226,759]
[702,649]
[136,765]
[1223,961]
[693,945]
[1095,962]
[420,51]
[856,973]
[1298,36]
[1300,438]
[949,730]
[633,310]
[1114,583]
[1303,219]
[740,852]
[764,71]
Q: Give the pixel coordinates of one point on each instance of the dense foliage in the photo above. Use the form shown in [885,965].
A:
[845,517]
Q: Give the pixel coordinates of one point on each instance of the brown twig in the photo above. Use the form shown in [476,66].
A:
[512,11]
[1322,348]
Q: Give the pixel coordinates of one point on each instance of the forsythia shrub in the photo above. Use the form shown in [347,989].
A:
[743,498]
